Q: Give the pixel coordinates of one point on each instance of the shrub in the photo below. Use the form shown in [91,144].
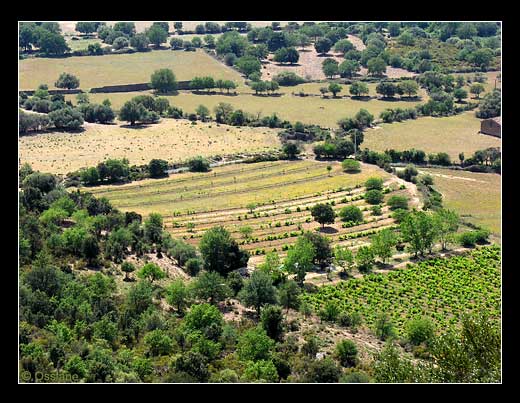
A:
[420,331]
[346,353]
[397,202]
[374,183]
[351,213]
[66,118]
[374,196]
[199,164]
[288,78]
[350,165]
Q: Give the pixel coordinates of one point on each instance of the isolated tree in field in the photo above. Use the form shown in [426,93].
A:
[477,89]
[258,291]
[376,66]
[386,89]
[323,213]
[322,45]
[210,286]
[351,213]
[220,252]
[127,268]
[300,259]
[447,223]
[335,88]
[67,81]
[358,89]
[163,81]
[132,112]
[383,244]
[330,67]
[151,272]
[396,202]
[246,231]
[460,94]
[344,258]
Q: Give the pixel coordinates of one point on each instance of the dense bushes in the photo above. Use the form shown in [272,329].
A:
[398,115]
[288,78]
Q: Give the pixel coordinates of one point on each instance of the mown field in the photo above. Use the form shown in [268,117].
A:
[171,140]
[283,191]
[475,196]
[453,135]
[442,289]
[97,71]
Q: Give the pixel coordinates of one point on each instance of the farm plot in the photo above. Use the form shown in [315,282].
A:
[283,193]
[475,196]
[171,140]
[453,135]
[97,71]
[442,289]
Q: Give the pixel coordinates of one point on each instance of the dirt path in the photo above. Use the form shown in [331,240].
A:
[452,177]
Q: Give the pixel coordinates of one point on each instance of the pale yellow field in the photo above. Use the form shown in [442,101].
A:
[171,140]
[97,71]
[475,196]
[453,135]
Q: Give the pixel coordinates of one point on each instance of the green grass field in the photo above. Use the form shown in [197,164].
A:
[475,196]
[82,43]
[453,134]
[97,71]
[310,110]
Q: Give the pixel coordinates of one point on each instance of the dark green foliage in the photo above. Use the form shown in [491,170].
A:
[220,252]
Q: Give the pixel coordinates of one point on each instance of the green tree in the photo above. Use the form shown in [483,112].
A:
[163,81]
[258,290]
[346,352]
[421,330]
[153,228]
[323,371]
[271,318]
[212,286]
[157,168]
[334,88]
[132,112]
[151,272]
[157,34]
[384,328]
[447,223]
[348,68]
[351,213]
[477,89]
[260,371]
[350,165]
[365,259]
[127,267]
[158,343]
[67,81]
[330,68]
[460,94]
[220,252]
[358,89]
[376,66]
[177,295]
[255,345]
[323,213]
[206,319]
[344,258]
[409,87]
[419,229]
[383,244]
[289,293]
[374,196]
[397,202]
[300,259]
[322,45]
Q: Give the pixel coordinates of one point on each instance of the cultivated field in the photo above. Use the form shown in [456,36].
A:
[97,71]
[283,191]
[172,140]
[475,196]
[440,289]
[453,135]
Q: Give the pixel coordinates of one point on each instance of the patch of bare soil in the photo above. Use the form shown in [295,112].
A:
[168,265]
[357,42]
[309,65]
[391,72]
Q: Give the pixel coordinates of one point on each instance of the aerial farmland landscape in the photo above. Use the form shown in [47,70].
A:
[260,202]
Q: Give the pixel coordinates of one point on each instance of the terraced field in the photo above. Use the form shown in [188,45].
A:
[283,191]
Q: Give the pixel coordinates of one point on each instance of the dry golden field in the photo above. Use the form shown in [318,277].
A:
[172,140]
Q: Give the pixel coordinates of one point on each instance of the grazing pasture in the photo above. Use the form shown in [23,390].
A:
[475,196]
[453,135]
[97,71]
[171,140]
